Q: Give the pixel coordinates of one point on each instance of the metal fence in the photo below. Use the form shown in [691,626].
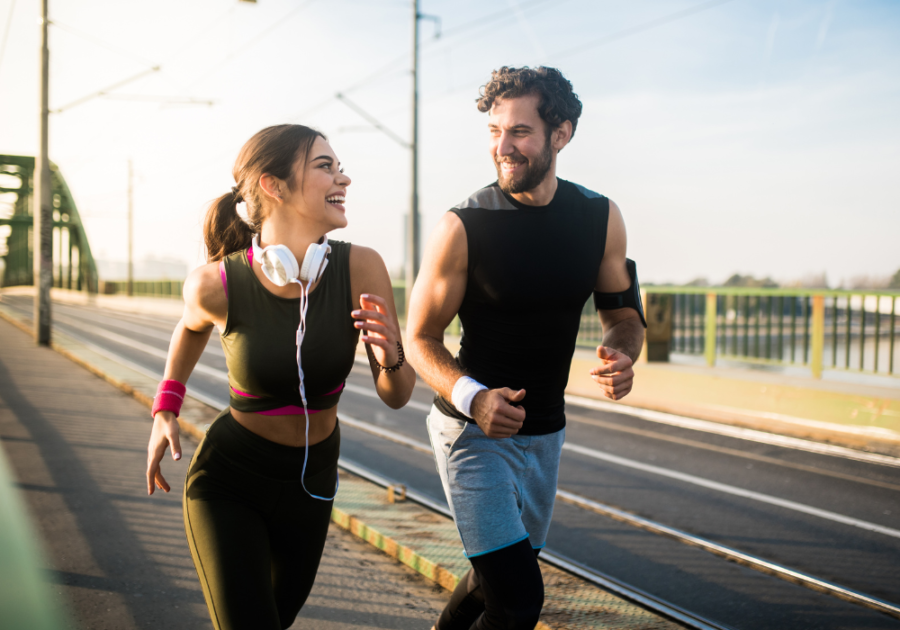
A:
[841,330]
[144,288]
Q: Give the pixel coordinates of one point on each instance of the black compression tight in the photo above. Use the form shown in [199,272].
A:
[256,537]
[504,590]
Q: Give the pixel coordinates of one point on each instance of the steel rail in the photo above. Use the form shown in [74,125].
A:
[736,556]
[602,580]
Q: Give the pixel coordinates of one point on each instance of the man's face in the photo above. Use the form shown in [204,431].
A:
[520,144]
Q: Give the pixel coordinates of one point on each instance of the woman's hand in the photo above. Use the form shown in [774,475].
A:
[163,435]
[380,331]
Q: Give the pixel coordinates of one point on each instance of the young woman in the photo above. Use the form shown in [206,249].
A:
[258,495]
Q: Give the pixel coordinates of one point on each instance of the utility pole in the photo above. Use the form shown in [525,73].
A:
[412,230]
[130,228]
[43,203]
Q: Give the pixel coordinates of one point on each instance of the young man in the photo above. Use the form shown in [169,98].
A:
[517,261]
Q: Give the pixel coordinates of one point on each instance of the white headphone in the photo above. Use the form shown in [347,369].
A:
[280,266]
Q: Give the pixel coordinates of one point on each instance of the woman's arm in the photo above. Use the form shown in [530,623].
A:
[205,305]
[376,317]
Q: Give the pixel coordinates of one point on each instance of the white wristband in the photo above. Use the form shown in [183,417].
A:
[464,393]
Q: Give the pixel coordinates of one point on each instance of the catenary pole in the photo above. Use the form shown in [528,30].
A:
[130,228]
[43,203]
[412,230]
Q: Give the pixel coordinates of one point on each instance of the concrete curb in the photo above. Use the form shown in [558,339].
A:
[432,570]
[816,431]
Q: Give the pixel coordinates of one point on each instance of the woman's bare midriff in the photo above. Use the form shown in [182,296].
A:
[289,430]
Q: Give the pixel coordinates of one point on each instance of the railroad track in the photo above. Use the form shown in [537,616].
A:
[87,327]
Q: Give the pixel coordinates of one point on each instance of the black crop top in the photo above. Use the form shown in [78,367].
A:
[260,338]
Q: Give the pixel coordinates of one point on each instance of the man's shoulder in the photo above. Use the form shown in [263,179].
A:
[578,189]
[488,198]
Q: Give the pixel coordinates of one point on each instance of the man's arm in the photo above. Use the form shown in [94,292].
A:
[435,300]
[623,331]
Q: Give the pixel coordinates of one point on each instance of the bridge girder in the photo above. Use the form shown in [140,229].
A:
[73,263]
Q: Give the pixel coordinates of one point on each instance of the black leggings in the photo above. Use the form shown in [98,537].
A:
[256,537]
[504,590]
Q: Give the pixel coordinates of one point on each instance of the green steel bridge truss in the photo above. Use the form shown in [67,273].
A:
[73,264]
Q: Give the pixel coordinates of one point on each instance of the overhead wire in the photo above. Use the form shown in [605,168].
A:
[640,28]
[99,42]
[487,20]
[245,46]
[608,39]
[112,125]
[193,41]
[390,66]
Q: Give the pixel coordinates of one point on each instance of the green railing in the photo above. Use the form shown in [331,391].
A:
[144,288]
[819,329]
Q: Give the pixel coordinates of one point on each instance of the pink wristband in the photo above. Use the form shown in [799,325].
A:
[169,396]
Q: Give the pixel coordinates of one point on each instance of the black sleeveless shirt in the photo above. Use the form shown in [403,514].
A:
[531,269]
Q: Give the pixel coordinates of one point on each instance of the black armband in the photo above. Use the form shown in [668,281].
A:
[629,298]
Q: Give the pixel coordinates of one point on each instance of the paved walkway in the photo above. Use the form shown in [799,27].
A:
[118,558]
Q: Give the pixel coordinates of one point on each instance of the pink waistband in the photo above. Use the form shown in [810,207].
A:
[288,410]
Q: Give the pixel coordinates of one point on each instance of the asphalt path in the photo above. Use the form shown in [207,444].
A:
[829,516]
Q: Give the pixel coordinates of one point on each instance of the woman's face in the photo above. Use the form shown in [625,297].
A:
[321,188]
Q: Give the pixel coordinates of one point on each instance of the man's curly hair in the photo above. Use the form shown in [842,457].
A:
[558,102]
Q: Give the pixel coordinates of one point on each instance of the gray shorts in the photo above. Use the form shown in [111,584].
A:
[501,491]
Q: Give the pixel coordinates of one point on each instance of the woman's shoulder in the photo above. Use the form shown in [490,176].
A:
[204,293]
[363,258]
[367,269]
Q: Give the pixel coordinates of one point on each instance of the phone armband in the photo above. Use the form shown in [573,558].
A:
[629,298]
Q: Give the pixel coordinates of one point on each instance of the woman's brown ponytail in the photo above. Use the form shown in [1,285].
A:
[224,230]
[274,151]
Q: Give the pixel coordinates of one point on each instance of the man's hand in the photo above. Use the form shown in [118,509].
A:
[494,413]
[616,376]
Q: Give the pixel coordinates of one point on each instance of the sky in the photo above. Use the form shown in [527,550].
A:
[737,136]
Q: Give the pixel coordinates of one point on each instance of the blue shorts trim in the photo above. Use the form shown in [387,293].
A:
[510,544]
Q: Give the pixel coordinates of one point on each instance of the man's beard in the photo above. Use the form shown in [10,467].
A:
[535,172]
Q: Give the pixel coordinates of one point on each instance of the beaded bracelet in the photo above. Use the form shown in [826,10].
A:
[401,358]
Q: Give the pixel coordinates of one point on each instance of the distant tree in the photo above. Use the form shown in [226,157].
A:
[812,281]
[869,282]
[895,281]
[737,280]
[698,282]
